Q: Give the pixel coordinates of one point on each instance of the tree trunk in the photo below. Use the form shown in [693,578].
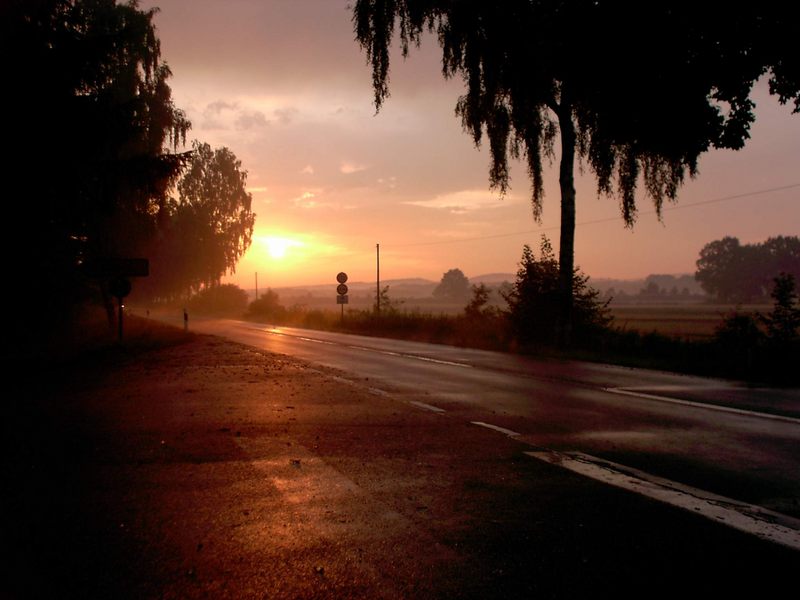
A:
[566,250]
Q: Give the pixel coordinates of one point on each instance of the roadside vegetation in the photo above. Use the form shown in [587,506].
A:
[758,345]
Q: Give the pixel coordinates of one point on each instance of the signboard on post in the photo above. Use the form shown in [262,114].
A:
[117,267]
[116,272]
[341,291]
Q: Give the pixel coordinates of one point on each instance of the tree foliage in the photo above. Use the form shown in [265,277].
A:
[478,305]
[735,272]
[221,300]
[783,321]
[208,227]
[268,306]
[636,90]
[93,134]
[534,300]
[454,286]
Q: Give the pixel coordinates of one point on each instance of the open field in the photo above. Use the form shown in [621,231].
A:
[686,321]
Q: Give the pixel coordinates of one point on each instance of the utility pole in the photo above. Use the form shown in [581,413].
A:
[378,296]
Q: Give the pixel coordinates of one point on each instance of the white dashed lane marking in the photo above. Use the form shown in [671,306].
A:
[749,518]
[503,430]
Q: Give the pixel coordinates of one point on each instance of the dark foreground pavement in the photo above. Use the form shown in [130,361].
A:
[206,469]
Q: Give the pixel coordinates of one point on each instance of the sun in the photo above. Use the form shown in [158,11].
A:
[277,247]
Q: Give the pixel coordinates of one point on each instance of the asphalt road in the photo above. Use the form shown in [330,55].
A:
[715,436]
[193,467]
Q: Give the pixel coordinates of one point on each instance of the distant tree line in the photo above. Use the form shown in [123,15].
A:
[731,271]
[746,345]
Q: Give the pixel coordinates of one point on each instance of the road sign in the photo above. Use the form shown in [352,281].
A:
[341,289]
[341,299]
[342,278]
[119,287]
[117,267]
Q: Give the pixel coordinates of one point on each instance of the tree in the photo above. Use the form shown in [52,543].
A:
[387,306]
[534,301]
[783,321]
[93,134]
[210,224]
[454,286]
[227,299]
[733,272]
[477,306]
[268,306]
[637,90]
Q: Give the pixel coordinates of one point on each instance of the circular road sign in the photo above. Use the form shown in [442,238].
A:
[341,289]
[341,278]
[119,287]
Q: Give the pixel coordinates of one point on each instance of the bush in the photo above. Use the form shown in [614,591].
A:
[219,300]
[535,303]
[267,307]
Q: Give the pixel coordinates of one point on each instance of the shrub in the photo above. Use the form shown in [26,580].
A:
[534,302]
[219,300]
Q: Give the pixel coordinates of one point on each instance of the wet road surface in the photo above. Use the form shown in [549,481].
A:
[739,442]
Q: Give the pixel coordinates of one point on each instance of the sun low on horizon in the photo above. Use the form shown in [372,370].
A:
[279,248]
[278,258]
[286,88]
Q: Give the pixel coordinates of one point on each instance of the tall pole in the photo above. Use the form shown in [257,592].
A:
[378,296]
[119,318]
[256,285]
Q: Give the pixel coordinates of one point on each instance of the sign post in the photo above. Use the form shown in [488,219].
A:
[117,271]
[341,292]
[119,288]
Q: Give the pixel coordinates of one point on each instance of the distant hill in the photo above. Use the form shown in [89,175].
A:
[493,278]
[418,287]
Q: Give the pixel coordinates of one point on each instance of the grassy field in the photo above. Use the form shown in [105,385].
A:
[685,321]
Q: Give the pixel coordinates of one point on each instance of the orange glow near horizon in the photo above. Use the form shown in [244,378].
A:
[330,178]
[279,248]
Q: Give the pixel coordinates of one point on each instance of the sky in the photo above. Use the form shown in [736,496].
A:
[284,85]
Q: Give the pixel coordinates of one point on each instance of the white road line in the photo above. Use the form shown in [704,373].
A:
[716,407]
[378,392]
[749,518]
[368,349]
[508,432]
[426,406]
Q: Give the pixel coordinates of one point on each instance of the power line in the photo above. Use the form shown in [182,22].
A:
[604,220]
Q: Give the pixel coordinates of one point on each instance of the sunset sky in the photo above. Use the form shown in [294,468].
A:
[283,84]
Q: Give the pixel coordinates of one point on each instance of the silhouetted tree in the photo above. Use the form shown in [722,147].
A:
[477,306]
[733,272]
[454,286]
[637,90]
[387,305]
[226,299]
[268,306]
[210,224]
[90,123]
[783,321]
[534,301]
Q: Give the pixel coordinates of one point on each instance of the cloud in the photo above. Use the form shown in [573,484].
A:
[217,107]
[464,201]
[225,115]
[251,120]
[390,182]
[306,200]
[285,115]
[349,168]
[307,170]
